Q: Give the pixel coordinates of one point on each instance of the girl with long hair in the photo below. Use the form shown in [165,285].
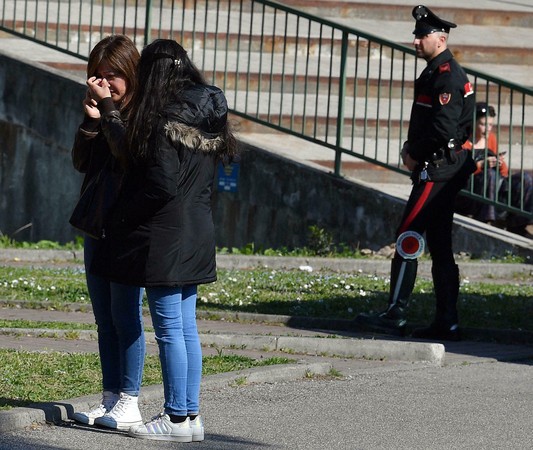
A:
[162,227]
[117,307]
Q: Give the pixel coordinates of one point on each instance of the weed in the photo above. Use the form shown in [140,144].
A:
[72,335]
[335,373]
[240,381]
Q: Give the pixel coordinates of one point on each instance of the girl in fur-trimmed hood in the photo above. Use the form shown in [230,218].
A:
[161,233]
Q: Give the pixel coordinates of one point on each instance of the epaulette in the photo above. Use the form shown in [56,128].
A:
[445,67]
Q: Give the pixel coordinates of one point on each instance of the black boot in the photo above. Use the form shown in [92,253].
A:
[393,320]
[445,327]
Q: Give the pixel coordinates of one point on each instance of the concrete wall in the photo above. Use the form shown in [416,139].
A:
[39,112]
[279,199]
[276,202]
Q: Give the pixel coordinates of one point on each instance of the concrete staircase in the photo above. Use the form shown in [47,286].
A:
[493,37]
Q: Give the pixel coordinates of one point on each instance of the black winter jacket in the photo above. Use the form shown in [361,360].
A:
[161,231]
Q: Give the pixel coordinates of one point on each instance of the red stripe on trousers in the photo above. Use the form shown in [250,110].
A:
[418,206]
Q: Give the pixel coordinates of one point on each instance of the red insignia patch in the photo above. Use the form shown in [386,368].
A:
[445,68]
[469,89]
[424,100]
[445,98]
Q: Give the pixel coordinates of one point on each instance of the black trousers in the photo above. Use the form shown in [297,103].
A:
[429,210]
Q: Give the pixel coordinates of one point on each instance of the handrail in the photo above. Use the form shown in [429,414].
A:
[344,89]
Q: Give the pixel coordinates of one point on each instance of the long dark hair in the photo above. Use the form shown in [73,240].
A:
[121,54]
[164,71]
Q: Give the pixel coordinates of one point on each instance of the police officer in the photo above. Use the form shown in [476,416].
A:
[441,120]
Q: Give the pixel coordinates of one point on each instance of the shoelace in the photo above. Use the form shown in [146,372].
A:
[119,408]
[157,418]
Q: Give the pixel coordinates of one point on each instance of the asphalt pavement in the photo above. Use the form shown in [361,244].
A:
[383,392]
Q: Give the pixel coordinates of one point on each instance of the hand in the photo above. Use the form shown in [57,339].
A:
[89,106]
[99,88]
[491,161]
[408,162]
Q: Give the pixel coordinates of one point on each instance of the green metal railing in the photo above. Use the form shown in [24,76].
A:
[347,91]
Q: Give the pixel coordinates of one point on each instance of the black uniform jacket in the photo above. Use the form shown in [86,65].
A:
[442,111]
[161,231]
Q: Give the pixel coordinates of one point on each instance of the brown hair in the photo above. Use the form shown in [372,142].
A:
[120,53]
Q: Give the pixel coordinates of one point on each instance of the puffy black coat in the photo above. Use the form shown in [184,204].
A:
[161,231]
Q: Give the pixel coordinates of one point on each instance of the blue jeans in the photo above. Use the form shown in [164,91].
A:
[117,310]
[173,311]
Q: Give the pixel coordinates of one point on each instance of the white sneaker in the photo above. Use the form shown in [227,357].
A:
[109,399]
[197,426]
[160,428]
[123,415]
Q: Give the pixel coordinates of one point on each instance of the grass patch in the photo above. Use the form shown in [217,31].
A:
[55,286]
[28,377]
[30,324]
[321,293]
[37,324]
[343,296]
[9,242]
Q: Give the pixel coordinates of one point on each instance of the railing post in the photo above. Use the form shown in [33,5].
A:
[340,107]
[148,23]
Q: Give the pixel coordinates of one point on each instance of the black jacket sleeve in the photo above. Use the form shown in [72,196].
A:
[83,144]
[114,130]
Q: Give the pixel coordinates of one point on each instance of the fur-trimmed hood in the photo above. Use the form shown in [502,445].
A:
[198,119]
[193,138]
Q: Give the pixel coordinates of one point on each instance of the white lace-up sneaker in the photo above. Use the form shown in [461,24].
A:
[109,399]
[160,428]
[123,415]
[197,426]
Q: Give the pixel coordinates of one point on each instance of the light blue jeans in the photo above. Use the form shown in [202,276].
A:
[173,313]
[117,310]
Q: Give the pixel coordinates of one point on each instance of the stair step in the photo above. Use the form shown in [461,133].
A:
[471,44]
[478,12]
